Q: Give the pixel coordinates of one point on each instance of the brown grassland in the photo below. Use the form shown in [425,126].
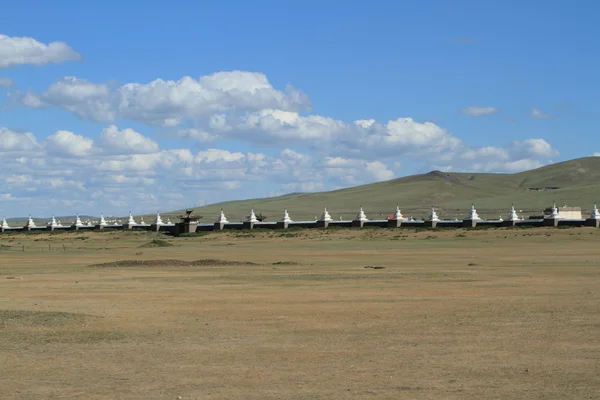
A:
[456,314]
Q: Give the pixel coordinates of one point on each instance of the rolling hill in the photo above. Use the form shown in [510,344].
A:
[575,182]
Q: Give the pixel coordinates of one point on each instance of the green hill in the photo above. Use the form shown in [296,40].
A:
[575,182]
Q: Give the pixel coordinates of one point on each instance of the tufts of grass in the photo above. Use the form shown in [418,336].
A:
[157,243]
[11,318]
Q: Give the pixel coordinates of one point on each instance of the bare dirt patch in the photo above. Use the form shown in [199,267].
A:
[169,263]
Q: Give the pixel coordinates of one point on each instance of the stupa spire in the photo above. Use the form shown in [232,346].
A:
[158,219]
[53,222]
[554,214]
[595,213]
[398,215]
[361,215]
[286,216]
[30,223]
[252,217]
[513,216]
[433,216]
[326,217]
[222,219]
[131,221]
[473,214]
[103,221]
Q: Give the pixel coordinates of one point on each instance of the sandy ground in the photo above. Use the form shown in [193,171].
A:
[490,314]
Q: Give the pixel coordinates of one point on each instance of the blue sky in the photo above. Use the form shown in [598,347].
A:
[106,120]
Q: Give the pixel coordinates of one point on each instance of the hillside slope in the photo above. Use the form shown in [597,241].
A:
[575,182]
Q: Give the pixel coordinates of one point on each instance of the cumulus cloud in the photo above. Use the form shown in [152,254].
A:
[166,103]
[16,141]
[539,114]
[65,143]
[479,111]
[6,82]
[318,152]
[25,50]
[125,141]
[66,172]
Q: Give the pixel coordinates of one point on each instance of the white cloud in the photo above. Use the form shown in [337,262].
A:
[25,50]
[479,111]
[319,152]
[65,143]
[533,148]
[68,173]
[166,103]
[16,141]
[6,82]
[125,141]
[196,135]
[539,114]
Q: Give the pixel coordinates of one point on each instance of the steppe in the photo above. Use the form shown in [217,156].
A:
[453,314]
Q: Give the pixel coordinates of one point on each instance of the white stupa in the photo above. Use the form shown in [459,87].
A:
[595,213]
[53,222]
[398,214]
[158,219]
[473,216]
[142,221]
[286,216]
[169,221]
[30,223]
[326,217]
[433,216]
[131,221]
[4,223]
[513,216]
[361,216]
[500,218]
[252,217]
[554,214]
[222,219]
[102,221]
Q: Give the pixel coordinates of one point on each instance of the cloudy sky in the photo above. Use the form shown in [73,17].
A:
[109,107]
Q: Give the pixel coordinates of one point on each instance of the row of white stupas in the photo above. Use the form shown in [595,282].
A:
[325,217]
[54,223]
[433,216]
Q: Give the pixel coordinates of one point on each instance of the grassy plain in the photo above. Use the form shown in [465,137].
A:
[456,314]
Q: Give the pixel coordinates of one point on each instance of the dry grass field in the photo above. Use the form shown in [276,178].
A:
[482,314]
